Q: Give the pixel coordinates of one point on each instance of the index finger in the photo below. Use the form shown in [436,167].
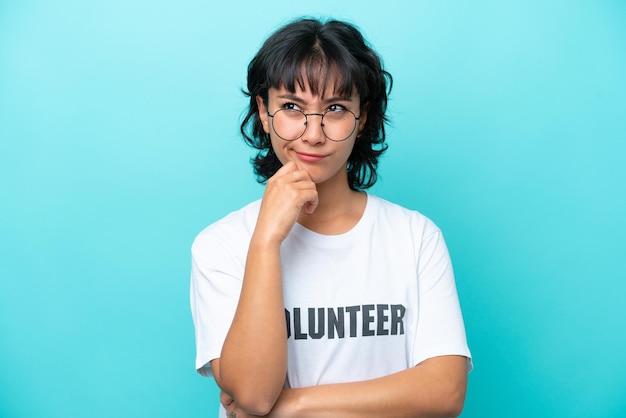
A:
[288,167]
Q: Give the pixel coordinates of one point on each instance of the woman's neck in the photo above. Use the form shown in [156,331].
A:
[338,211]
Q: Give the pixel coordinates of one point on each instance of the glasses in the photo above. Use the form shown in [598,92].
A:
[337,124]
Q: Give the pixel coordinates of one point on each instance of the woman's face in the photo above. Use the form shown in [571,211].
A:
[325,160]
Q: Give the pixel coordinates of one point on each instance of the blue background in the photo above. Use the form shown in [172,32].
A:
[119,143]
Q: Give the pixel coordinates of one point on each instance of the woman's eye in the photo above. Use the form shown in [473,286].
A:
[290,106]
[336,108]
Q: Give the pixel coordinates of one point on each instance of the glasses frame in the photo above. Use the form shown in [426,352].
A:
[306,123]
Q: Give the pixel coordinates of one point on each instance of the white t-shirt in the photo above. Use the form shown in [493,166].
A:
[376,300]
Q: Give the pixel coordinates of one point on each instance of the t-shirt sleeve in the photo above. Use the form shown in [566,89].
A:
[216,276]
[440,328]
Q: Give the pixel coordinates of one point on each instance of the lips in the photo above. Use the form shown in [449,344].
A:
[309,158]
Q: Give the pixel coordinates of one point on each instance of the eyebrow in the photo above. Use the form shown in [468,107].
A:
[297,99]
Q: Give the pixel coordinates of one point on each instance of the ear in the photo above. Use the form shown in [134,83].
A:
[263,114]
[362,120]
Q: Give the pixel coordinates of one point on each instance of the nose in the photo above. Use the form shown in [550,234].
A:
[314,134]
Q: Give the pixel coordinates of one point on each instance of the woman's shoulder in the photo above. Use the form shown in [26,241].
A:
[231,229]
[388,211]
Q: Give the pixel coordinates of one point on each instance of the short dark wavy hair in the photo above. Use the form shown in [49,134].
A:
[313,52]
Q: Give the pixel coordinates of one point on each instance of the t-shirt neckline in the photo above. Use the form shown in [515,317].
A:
[340,240]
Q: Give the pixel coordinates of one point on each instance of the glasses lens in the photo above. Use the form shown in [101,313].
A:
[338,125]
[289,124]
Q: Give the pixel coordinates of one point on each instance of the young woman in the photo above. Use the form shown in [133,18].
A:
[321,300]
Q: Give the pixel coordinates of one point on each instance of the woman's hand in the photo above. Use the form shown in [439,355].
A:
[232,410]
[280,410]
[287,192]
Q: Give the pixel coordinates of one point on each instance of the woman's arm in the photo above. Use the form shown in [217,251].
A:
[434,388]
[253,362]
[252,366]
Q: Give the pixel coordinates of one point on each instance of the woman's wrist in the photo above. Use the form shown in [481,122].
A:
[289,405]
[265,240]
